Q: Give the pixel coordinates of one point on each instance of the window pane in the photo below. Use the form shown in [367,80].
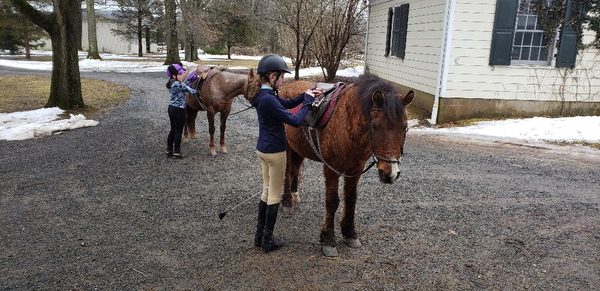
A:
[537,38]
[527,38]
[525,53]
[516,53]
[518,38]
[544,54]
[521,21]
[531,20]
[535,52]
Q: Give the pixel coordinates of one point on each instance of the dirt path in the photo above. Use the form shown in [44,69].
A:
[103,208]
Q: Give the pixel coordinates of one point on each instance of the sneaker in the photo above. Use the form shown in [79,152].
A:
[177,156]
[169,154]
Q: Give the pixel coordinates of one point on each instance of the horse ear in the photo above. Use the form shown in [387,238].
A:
[408,97]
[251,74]
[377,99]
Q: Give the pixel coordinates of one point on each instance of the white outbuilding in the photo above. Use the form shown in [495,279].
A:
[488,58]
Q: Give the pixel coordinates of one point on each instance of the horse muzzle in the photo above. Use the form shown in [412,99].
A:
[389,173]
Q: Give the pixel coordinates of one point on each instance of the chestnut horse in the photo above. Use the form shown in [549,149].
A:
[217,94]
[369,121]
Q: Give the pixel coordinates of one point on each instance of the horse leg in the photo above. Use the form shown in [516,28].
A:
[211,130]
[192,118]
[189,127]
[292,172]
[328,244]
[223,116]
[347,223]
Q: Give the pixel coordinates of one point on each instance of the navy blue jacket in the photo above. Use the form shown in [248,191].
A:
[272,113]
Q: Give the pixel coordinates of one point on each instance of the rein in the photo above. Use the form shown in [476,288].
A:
[243,103]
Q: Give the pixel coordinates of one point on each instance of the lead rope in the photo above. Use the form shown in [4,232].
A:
[317,151]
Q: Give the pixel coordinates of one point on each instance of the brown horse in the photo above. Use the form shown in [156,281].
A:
[217,94]
[369,121]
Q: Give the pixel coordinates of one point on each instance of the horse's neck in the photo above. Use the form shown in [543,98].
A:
[235,84]
[353,119]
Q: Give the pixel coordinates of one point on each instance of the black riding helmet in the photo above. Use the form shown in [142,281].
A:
[272,63]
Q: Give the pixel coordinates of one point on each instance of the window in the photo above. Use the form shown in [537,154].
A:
[528,44]
[397,25]
[518,37]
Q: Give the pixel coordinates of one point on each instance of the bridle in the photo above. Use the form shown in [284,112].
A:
[376,158]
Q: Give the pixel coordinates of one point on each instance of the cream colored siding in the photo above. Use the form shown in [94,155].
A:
[419,69]
[108,42]
[470,76]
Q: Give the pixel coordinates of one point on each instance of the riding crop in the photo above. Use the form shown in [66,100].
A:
[222,214]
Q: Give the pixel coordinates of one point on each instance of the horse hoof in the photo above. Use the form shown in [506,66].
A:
[224,149]
[353,243]
[296,197]
[329,251]
[213,152]
[186,139]
[194,137]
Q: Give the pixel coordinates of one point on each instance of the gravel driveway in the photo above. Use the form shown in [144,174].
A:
[102,207]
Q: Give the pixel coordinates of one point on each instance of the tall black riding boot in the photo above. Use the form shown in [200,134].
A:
[270,243]
[260,225]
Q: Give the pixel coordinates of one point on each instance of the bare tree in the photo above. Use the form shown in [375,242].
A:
[92,38]
[302,18]
[345,19]
[196,30]
[63,25]
[171,29]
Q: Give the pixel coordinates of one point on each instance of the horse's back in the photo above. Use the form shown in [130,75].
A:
[291,90]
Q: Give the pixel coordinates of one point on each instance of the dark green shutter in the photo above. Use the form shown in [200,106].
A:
[389,32]
[396,31]
[402,32]
[567,52]
[504,30]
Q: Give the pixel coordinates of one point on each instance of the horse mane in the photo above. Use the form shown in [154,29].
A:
[369,84]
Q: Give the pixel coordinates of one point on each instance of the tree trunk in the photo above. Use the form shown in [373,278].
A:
[228,51]
[79,33]
[188,44]
[147,39]
[65,88]
[140,36]
[92,37]
[172,42]
[64,27]
[26,43]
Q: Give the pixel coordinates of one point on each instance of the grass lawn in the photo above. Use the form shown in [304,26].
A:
[22,93]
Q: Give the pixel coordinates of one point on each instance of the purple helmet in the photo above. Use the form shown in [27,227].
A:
[193,76]
[175,69]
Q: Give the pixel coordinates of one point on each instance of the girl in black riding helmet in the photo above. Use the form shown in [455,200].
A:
[272,114]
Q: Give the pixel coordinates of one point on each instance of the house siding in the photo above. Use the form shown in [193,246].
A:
[470,76]
[107,41]
[419,69]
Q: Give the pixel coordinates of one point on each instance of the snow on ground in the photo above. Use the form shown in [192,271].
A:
[536,129]
[38,123]
[31,124]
